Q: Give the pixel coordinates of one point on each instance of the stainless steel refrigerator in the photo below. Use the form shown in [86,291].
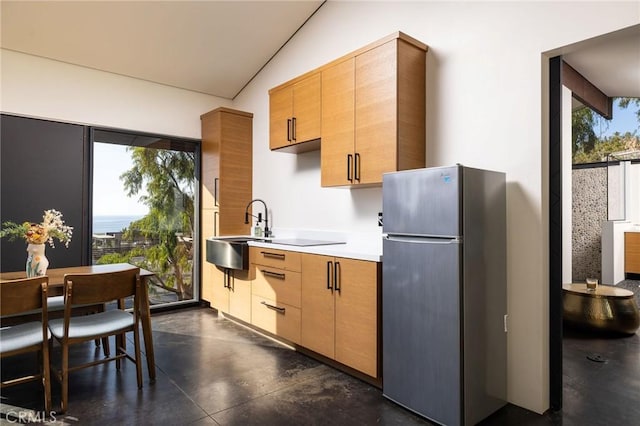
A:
[444,292]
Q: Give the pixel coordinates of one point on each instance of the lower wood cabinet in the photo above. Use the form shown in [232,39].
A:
[339,310]
[276,317]
[231,292]
[632,252]
[327,304]
[276,292]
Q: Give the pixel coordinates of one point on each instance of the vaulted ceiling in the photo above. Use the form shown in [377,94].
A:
[217,47]
[212,47]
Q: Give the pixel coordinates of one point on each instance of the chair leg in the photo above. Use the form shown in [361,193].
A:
[136,344]
[119,340]
[46,378]
[105,347]
[65,379]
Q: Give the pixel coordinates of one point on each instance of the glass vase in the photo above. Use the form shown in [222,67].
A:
[37,262]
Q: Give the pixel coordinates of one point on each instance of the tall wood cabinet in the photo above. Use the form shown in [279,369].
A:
[226,182]
[294,114]
[339,307]
[373,108]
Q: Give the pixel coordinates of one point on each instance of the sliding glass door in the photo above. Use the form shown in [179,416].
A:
[144,209]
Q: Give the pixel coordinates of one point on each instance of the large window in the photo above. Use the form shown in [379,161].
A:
[144,199]
[594,138]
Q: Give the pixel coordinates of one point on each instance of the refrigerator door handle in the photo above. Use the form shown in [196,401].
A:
[424,240]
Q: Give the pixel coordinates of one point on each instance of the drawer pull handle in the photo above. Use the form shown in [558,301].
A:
[269,254]
[273,274]
[275,308]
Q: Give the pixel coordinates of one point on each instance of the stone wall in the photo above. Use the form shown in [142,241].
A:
[589,192]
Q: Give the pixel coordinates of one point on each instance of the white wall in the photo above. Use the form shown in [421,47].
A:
[634,194]
[486,108]
[41,88]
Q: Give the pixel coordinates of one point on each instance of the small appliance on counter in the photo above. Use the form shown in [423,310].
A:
[444,292]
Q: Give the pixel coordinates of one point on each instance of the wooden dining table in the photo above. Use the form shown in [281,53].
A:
[56,281]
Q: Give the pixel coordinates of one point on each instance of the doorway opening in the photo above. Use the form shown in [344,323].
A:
[559,232]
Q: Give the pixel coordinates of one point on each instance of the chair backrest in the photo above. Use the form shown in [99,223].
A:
[22,295]
[84,289]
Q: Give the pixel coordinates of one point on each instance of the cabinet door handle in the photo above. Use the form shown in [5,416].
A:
[288,130]
[273,274]
[215,223]
[276,255]
[225,279]
[275,308]
[329,275]
[215,192]
[336,277]
[293,129]
[356,167]
[349,162]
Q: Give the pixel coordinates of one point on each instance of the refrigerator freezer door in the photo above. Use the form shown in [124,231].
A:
[421,326]
[422,202]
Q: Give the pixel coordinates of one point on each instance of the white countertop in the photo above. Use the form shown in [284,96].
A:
[358,246]
[347,250]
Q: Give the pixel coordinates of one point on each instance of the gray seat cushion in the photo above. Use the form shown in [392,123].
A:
[20,336]
[55,303]
[92,325]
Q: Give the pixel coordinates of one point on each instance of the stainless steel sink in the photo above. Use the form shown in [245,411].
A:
[229,252]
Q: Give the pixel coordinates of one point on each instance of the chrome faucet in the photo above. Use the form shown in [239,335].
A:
[267,231]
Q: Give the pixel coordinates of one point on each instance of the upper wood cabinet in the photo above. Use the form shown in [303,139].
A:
[365,111]
[227,168]
[373,109]
[294,114]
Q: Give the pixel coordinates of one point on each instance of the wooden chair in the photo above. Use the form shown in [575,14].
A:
[82,289]
[18,296]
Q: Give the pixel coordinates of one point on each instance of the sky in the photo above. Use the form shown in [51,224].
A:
[624,120]
[109,197]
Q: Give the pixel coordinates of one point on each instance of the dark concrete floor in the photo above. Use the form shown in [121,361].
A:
[212,371]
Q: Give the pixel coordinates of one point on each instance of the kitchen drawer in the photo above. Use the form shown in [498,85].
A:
[277,284]
[277,318]
[281,259]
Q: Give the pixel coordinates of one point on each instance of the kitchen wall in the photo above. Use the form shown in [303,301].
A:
[486,70]
[486,94]
[41,88]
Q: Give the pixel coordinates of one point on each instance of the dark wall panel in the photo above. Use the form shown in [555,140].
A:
[42,167]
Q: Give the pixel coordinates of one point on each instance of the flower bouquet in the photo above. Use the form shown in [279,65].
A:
[36,235]
[52,226]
